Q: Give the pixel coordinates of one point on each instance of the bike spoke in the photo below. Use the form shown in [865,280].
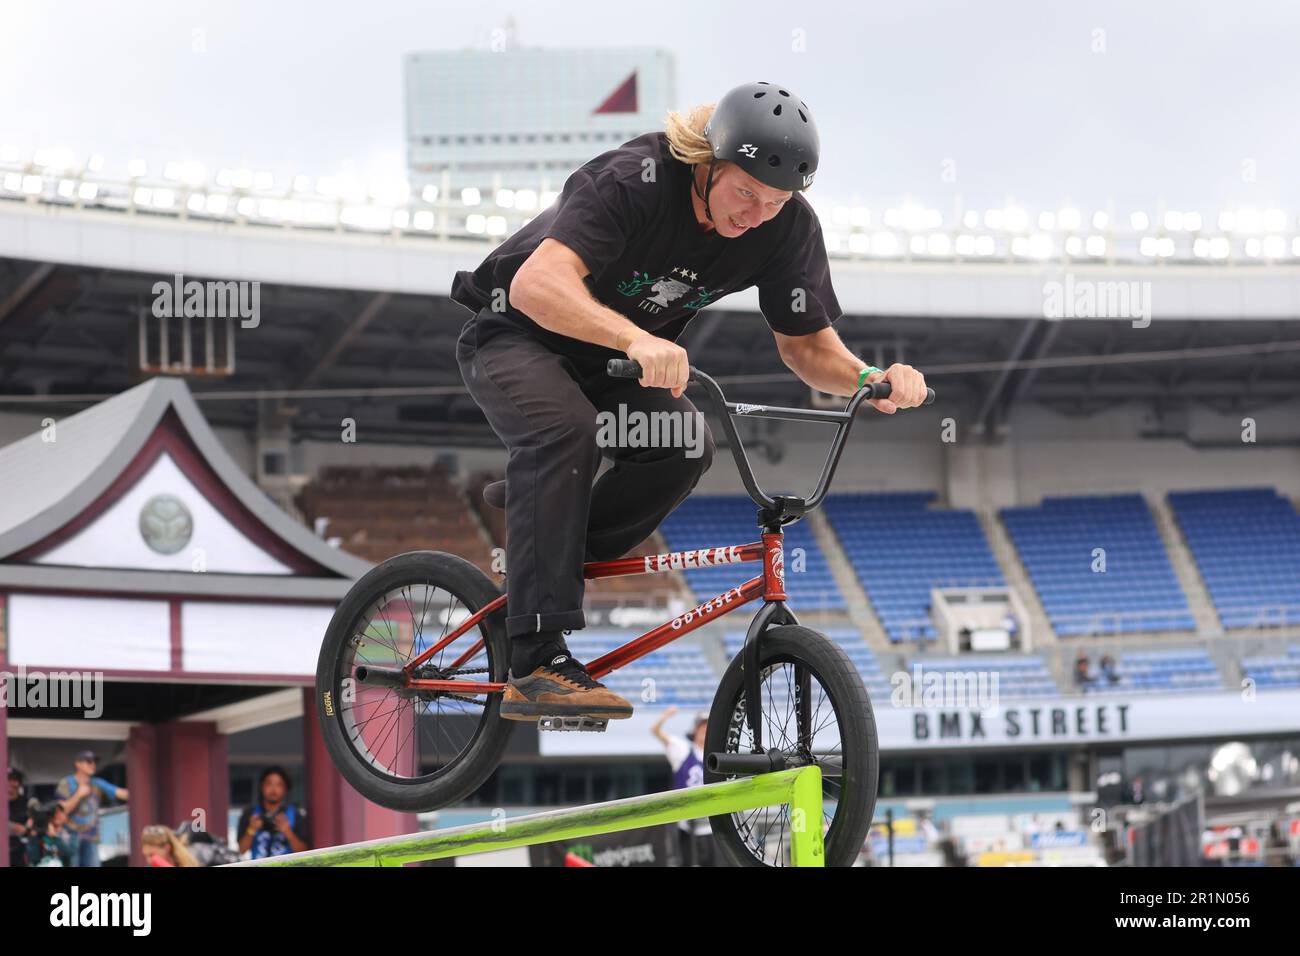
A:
[796,710]
[408,735]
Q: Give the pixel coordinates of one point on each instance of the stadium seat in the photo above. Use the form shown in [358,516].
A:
[1246,544]
[710,521]
[1058,542]
[928,548]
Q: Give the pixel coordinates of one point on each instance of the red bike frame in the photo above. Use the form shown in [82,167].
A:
[774,512]
[770,586]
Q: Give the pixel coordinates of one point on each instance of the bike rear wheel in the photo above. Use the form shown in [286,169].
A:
[404,749]
[815,708]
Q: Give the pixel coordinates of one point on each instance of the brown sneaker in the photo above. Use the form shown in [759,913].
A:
[562,688]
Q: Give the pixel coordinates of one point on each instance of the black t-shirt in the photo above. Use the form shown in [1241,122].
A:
[652,261]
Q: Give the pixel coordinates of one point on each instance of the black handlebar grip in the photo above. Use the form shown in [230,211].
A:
[623,368]
[882,390]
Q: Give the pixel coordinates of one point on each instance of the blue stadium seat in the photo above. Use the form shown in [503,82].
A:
[928,548]
[680,673]
[711,521]
[1019,676]
[875,679]
[1271,673]
[1162,672]
[1137,592]
[1246,544]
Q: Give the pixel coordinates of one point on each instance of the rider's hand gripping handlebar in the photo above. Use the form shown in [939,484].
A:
[630,368]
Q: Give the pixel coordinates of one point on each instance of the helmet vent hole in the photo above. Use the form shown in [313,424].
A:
[803,167]
[783,92]
[802,117]
[774,160]
[760,94]
[777,111]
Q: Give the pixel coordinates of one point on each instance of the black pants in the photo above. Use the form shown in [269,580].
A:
[544,407]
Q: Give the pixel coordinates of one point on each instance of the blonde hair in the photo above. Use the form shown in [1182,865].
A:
[156,835]
[686,139]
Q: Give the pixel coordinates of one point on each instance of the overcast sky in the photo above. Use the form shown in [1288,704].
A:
[1038,101]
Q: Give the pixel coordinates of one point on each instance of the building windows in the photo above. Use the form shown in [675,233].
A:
[960,775]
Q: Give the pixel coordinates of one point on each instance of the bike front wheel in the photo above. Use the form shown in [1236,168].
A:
[814,708]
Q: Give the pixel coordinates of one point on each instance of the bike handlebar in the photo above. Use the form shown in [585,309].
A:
[630,368]
[782,506]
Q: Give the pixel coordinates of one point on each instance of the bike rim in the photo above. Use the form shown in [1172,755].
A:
[401,736]
[812,733]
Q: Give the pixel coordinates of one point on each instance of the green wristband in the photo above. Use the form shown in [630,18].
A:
[862,376]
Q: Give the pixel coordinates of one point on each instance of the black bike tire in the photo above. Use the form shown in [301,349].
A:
[848,697]
[474,589]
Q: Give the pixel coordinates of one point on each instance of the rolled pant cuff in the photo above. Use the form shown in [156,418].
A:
[522,625]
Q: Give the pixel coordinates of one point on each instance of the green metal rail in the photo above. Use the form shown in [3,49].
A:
[800,788]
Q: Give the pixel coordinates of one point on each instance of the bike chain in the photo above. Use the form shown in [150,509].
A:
[451,695]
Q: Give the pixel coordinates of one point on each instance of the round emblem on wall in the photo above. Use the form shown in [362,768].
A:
[166,524]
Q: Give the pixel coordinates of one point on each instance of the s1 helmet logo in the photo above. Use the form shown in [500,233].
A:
[748,150]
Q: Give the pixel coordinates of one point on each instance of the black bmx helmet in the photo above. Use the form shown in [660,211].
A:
[768,132]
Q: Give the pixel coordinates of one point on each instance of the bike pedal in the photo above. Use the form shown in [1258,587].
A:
[591,725]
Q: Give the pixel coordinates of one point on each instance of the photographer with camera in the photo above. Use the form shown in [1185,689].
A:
[273,826]
[49,841]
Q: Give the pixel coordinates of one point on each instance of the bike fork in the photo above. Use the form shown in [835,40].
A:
[772,614]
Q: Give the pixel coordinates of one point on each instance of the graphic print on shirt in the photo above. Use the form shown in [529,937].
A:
[666,289]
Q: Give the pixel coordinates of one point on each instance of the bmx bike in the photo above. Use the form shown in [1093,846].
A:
[416,657]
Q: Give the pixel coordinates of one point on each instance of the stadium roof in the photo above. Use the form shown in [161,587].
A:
[386,358]
[1007,286]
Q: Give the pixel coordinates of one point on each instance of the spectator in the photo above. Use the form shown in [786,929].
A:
[1082,672]
[1108,669]
[273,826]
[20,818]
[686,758]
[50,843]
[161,847]
[81,794]
[1277,848]
[1009,624]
